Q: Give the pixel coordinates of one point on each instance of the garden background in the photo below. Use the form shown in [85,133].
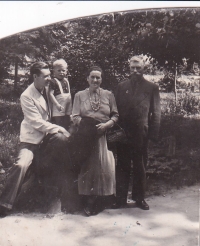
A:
[169,40]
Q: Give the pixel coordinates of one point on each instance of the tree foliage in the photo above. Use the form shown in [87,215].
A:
[109,40]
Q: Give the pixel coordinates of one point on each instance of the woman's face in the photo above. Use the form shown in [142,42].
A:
[94,80]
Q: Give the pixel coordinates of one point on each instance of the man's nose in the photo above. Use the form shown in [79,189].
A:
[95,79]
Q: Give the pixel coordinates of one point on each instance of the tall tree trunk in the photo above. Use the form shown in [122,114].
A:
[175,79]
[172,139]
[16,73]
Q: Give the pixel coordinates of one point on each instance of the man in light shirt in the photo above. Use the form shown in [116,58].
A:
[35,130]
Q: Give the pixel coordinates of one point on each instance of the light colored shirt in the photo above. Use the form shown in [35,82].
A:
[82,107]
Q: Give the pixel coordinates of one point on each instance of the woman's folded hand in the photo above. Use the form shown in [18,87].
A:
[101,128]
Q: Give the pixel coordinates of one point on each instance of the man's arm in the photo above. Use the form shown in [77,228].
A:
[34,118]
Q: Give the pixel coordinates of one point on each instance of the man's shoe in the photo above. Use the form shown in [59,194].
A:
[142,204]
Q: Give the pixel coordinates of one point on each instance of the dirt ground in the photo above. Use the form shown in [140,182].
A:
[173,183]
[173,219]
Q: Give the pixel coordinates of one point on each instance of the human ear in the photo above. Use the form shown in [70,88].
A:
[35,76]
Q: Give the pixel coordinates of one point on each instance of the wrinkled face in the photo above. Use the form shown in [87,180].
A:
[94,80]
[136,69]
[40,81]
[60,71]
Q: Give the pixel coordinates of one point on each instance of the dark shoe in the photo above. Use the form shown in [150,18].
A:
[88,211]
[142,204]
[3,211]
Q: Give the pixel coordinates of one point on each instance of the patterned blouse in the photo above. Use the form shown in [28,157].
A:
[82,107]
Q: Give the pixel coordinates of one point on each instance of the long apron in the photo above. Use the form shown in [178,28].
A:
[97,176]
[64,99]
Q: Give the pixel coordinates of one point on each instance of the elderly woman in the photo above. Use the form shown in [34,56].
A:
[97,175]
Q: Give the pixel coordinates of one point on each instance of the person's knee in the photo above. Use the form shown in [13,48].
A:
[24,159]
[59,141]
[61,138]
[22,165]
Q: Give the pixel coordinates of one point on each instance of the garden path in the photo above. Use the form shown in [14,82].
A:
[173,219]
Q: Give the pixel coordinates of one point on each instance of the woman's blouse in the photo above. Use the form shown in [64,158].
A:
[82,107]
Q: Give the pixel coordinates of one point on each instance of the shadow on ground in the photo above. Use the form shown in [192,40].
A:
[172,220]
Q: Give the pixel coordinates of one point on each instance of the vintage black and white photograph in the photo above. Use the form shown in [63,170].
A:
[100,125]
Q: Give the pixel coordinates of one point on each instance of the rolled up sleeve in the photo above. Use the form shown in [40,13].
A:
[114,115]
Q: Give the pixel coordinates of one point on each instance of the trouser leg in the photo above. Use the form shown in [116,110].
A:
[70,199]
[54,162]
[139,174]
[123,170]
[145,153]
[17,174]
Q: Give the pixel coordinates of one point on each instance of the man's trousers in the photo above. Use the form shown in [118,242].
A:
[127,154]
[53,154]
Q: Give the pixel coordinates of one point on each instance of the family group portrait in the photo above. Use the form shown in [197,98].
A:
[100,131]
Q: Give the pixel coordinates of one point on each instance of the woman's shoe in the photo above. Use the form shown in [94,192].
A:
[88,211]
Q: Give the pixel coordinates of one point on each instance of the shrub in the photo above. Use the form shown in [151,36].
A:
[187,104]
[11,117]
[167,83]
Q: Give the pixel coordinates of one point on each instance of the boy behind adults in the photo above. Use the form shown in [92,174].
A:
[60,94]
[35,129]
[138,103]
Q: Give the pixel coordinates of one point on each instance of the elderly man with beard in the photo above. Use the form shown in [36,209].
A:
[138,104]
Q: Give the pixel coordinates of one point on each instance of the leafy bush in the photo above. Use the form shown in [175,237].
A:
[187,104]
[10,119]
[167,83]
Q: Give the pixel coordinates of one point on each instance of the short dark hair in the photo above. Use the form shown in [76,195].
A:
[37,67]
[94,68]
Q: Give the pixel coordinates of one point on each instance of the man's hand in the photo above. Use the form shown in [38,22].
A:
[64,132]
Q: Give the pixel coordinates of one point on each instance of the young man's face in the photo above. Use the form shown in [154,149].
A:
[43,79]
[60,71]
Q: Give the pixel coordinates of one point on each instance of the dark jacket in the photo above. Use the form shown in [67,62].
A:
[82,142]
[139,110]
